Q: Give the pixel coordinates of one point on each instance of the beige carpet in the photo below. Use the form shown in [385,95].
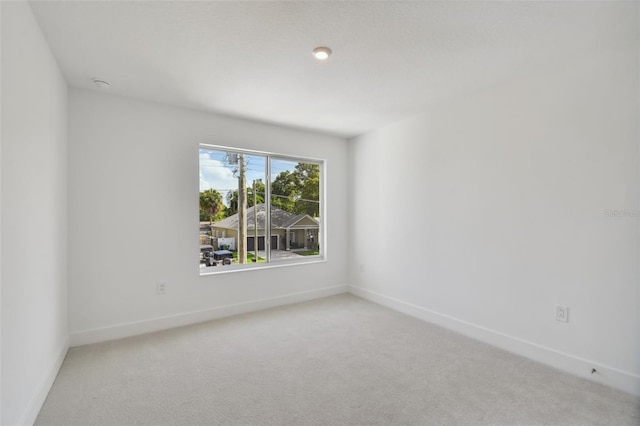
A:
[335,361]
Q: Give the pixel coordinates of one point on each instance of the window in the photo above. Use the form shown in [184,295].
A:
[258,209]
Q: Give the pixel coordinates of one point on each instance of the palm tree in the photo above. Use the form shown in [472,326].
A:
[210,203]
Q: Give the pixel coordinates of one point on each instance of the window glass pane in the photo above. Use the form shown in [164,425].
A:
[295,209]
[227,216]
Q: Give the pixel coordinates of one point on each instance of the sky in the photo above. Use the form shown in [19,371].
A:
[217,173]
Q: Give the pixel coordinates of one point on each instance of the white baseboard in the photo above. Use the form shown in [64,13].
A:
[35,405]
[610,376]
[120,331]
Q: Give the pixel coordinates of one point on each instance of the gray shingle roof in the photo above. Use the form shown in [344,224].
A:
[280,219]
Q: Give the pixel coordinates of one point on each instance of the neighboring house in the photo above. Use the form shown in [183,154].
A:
[288,230]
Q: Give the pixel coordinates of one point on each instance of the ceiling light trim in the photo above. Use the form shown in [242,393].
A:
[321,53]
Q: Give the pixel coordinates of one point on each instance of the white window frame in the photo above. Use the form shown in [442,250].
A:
[322,231]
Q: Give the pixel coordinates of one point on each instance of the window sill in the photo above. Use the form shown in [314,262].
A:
[229,269]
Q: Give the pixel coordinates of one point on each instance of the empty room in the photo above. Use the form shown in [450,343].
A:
[320,213]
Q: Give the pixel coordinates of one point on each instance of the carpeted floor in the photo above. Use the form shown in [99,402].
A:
[335,361]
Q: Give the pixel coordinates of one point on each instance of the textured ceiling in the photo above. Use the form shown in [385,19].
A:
[392,59]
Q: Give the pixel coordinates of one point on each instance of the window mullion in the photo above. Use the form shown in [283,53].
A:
[267,218]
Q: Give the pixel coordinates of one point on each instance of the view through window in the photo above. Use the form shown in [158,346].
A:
[258,208]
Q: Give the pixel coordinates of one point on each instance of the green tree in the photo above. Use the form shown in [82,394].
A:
[309,197]
[307,177]
[260,191]
[232,198]
[284,191]
[210,204]
[298,191]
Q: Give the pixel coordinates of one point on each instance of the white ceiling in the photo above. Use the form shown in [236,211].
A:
[392,59]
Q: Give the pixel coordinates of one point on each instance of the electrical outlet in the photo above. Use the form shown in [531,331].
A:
[562,313]
[161,288]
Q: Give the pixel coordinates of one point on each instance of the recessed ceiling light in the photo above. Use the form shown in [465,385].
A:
[321,53]
[101,84]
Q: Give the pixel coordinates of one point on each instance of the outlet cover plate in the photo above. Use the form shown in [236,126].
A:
[562,313]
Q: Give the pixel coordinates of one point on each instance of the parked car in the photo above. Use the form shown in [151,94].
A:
[205,253]
[224,256]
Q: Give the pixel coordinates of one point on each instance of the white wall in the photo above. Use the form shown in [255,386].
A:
[34,216]
[133,214]
[495,207]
